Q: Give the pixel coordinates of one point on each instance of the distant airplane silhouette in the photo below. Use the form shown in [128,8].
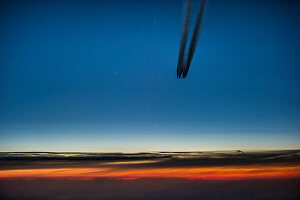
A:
[183,64]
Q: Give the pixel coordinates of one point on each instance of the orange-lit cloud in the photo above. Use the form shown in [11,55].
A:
[189,173]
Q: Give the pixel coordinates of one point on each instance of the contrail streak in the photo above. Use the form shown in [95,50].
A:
[184,37]
[183,65]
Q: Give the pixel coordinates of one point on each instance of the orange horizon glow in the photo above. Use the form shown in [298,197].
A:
[208,173]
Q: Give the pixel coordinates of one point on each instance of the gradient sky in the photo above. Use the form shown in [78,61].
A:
[101,76]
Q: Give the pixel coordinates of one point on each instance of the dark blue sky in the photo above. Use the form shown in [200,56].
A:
[101,76]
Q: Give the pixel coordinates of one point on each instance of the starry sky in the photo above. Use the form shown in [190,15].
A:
[101,76]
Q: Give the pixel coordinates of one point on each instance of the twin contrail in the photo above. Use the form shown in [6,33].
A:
[184,63]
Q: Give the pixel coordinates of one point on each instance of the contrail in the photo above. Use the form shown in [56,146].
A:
[184,37]
[183,65]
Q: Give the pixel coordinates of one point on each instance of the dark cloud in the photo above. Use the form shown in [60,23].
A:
[15,160]
[149,188]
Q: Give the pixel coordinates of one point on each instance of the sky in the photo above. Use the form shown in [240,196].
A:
[101,76]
